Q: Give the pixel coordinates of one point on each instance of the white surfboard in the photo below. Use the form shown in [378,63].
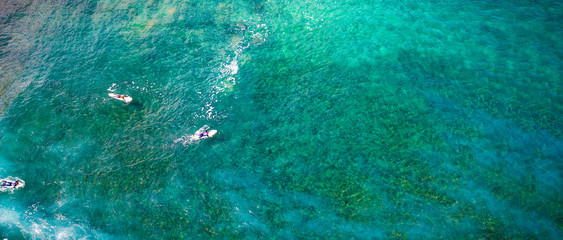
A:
[11,183]
[202,134]
[120,97]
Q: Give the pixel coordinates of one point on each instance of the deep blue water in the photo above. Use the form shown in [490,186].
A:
[336,119]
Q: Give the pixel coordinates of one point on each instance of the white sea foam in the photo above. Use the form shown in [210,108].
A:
[110,89]
[224,78]
[33,222]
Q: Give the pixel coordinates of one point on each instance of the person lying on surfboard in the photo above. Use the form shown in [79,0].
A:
[121,97]
[204,134]
[9,184]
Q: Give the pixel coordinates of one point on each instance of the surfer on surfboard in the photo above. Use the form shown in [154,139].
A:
[121,97]
[203,132]
[10,184]
[206,134]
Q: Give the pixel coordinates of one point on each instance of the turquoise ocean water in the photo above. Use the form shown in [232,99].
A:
[341,119]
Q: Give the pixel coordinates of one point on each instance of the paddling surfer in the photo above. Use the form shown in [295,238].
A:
[9,184]
[204,134]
